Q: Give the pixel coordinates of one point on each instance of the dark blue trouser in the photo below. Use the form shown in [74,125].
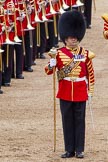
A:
[73,120]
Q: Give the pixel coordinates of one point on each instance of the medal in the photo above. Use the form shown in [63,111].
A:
[79,58]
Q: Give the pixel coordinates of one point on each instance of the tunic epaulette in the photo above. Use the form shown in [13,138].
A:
[105,17]
[91,55]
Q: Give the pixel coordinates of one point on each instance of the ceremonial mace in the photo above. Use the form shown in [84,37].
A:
[52,53]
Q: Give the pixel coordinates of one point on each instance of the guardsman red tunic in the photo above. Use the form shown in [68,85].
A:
[70,2]
[20,13]
[105,30]
[1,35]
[2,30]
[19,24]
[83,73]
[9,17]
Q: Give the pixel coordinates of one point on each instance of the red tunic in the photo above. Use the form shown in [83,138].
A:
[2,33]
[70,90]
[105,30]
[70,2]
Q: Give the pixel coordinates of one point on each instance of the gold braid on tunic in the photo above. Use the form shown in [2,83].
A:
[105,31]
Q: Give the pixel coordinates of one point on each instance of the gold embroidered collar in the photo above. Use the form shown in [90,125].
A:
[74,50]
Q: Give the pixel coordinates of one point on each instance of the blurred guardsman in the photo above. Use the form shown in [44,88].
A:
[88,12]
[52,41]
[70,3]
[1,41]
[8,43]
[105,30]
[42,47]
[18,46]
[28,38]
[73,4]
[34,36]
[76,81]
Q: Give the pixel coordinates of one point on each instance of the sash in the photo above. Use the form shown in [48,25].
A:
[71,65]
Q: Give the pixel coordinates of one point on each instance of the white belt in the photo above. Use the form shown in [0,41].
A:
[73,79]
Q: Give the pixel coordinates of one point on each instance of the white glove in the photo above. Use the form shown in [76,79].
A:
[3,28]
[8,28]
[20,19]
[52,62]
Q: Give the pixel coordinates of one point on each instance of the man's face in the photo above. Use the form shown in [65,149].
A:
[71,42]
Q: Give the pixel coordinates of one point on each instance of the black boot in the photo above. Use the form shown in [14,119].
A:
[1,92]
[42,56]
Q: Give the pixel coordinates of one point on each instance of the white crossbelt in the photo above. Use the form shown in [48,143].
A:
[74,79]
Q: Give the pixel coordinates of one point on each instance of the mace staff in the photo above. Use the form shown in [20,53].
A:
[52,53]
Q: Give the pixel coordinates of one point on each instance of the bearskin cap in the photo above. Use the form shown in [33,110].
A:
[71,23]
